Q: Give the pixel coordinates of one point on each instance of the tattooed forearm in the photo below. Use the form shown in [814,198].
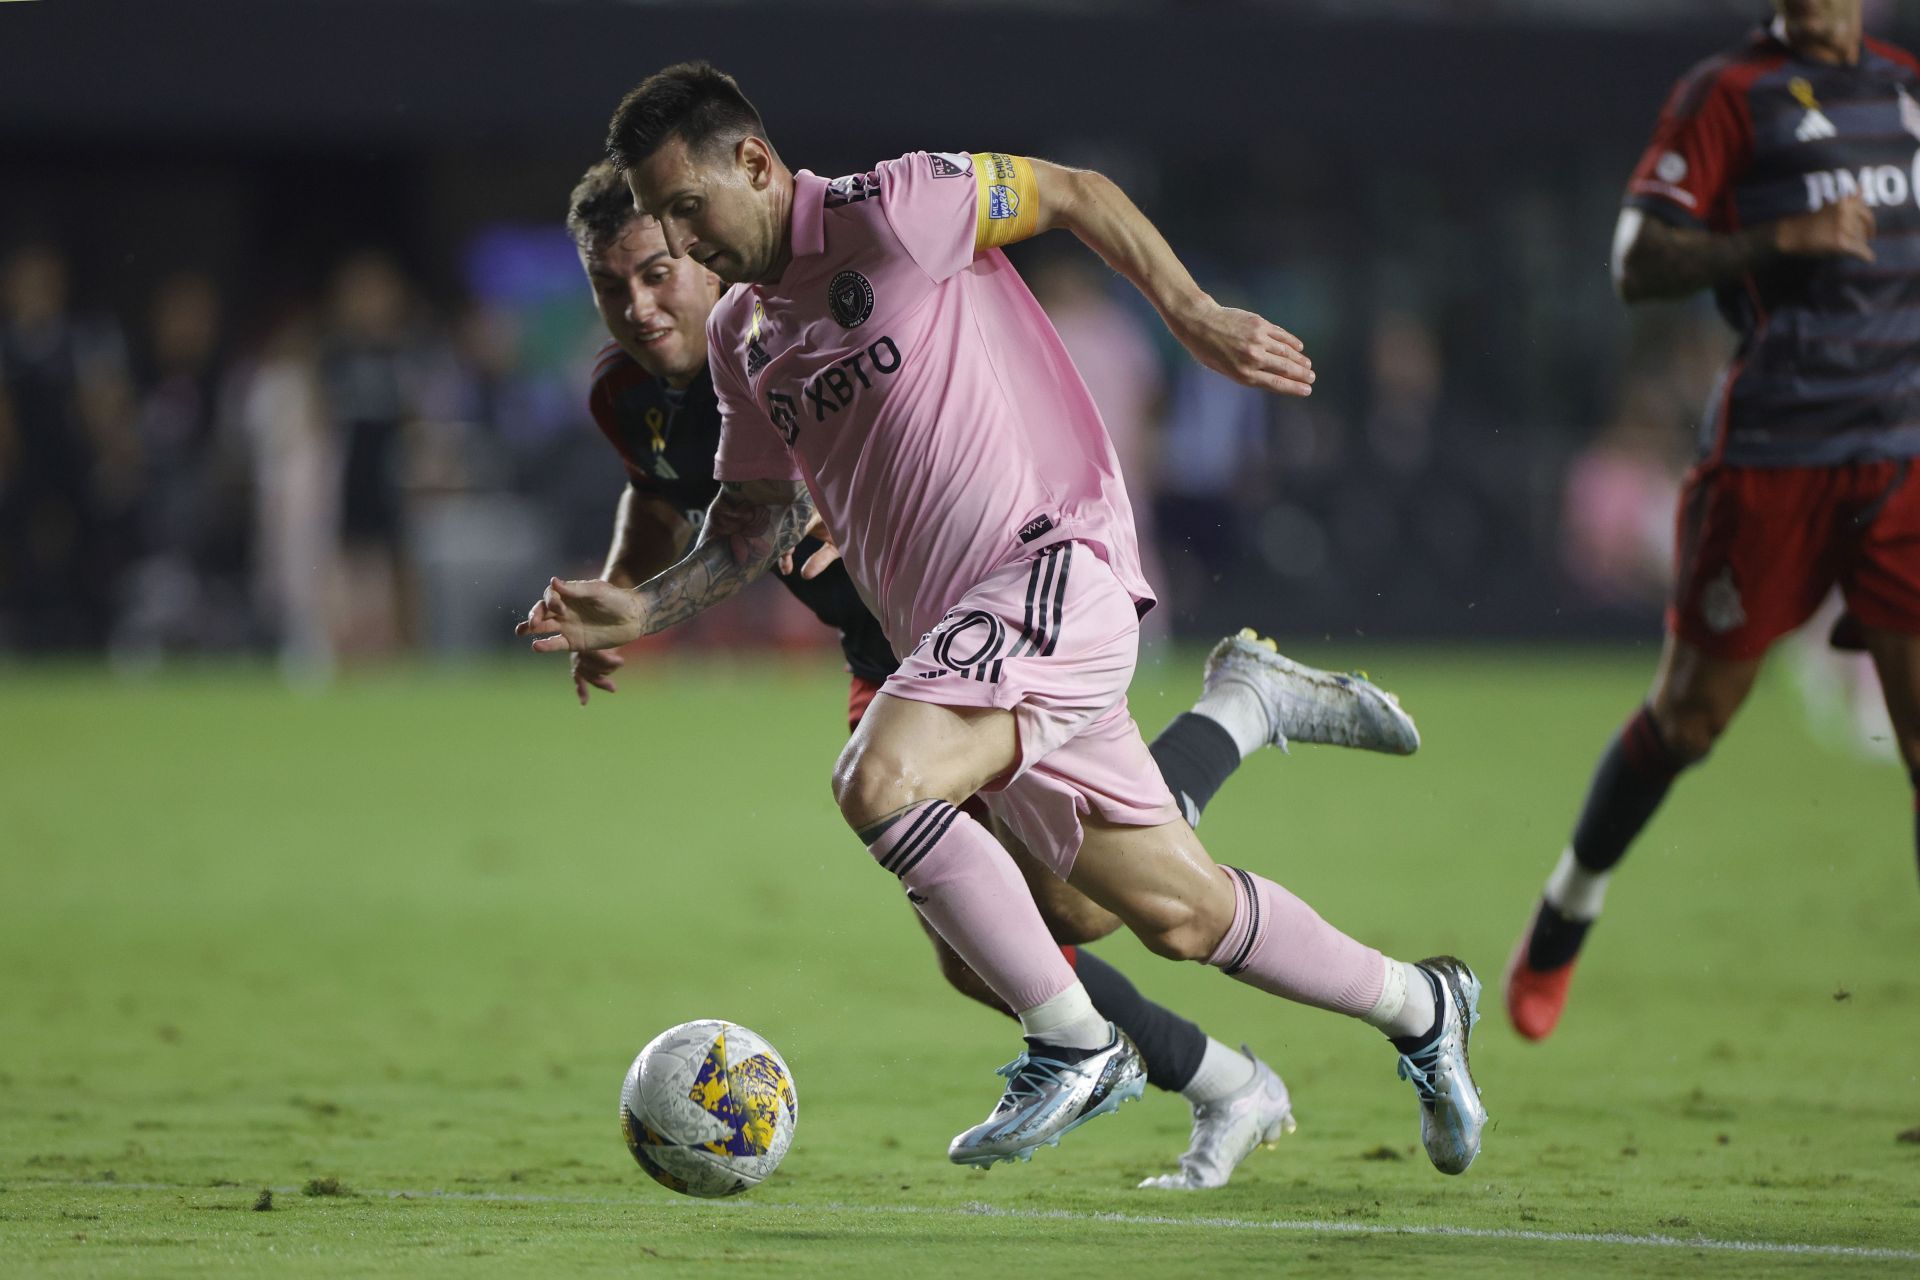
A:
[739,540]
[758,533]
[1671,262]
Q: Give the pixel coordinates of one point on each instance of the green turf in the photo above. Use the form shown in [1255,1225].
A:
[407,934]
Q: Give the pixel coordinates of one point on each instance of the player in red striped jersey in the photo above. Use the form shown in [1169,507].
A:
[1784,175]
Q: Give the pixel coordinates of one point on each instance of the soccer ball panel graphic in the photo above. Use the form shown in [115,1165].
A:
[708,1108]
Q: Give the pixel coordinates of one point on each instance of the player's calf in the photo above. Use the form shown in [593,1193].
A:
[1077,1065]
[1632,779]
[1281,945]
[1185,906]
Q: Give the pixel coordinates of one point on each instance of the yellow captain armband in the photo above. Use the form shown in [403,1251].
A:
[1009,200]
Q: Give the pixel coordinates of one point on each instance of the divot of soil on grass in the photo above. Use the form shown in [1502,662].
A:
[325,1187]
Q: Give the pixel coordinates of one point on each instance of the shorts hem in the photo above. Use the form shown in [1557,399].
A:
[1871,616]
[952,693]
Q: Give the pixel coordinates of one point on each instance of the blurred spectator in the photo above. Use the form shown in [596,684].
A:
[1617,515]
[1216,431]
[188,584]
[371,369]
[1403,369]
[1114,352]
[280,409]
[68,459]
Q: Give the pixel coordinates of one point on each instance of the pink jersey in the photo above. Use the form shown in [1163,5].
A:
[919,390]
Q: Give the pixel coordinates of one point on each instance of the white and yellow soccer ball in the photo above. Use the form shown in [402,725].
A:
[708,1109]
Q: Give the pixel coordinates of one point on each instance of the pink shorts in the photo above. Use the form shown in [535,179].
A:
[1053,639]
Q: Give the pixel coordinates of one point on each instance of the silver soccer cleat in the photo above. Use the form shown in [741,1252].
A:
[1451,1113]
[1049,1097]
[1306,704]
[1228,1131]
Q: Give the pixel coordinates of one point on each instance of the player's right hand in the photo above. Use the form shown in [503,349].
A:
[1248,348]
[588,614]
[594,668]
[1844,228]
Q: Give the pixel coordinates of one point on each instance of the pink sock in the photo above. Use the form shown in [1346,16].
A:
[969,890]
[1281,945]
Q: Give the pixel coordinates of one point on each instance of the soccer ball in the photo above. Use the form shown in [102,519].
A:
[708,1109]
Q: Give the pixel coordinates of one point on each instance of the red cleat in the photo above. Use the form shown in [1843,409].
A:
[1535,997]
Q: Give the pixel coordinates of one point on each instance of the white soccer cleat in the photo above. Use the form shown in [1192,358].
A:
[1451,1113]
[1052,1091]
[1306,704]
[1228,1131]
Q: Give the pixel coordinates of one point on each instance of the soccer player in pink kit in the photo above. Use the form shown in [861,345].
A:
[880,359]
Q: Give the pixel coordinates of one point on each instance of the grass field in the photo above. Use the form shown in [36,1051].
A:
[384,953]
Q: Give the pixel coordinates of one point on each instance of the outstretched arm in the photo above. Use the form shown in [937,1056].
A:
[649,534]
[748,528]
[1239,344]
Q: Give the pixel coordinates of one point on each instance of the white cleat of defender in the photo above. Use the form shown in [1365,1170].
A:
[1228,1131]
[1048,1097]
[1306,704]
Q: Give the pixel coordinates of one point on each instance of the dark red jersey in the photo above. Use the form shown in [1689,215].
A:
[1828,367]
[667,439]
[660,433]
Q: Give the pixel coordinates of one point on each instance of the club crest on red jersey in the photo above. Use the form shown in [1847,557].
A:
[1720,606]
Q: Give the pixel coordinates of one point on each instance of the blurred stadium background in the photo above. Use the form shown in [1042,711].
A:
[294,354]
[274,274]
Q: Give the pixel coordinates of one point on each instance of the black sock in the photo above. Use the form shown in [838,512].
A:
[1556,939]
[1629,784]
[1171,1045]
[1196,755]
[1414,1044]
[1631,780]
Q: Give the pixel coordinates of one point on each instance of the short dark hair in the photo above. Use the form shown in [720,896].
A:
[695,101]
[601,208]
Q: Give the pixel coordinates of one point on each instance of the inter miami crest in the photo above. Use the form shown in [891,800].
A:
[850,299]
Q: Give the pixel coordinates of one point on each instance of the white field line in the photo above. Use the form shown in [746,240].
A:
[1300,1226]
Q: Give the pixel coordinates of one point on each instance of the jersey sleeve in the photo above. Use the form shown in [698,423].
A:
[947,206]
[751,447]
[1702,142]
[1894,54]
[928,198]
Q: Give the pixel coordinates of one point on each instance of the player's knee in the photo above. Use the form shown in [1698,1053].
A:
[869,784]
[1178,931]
